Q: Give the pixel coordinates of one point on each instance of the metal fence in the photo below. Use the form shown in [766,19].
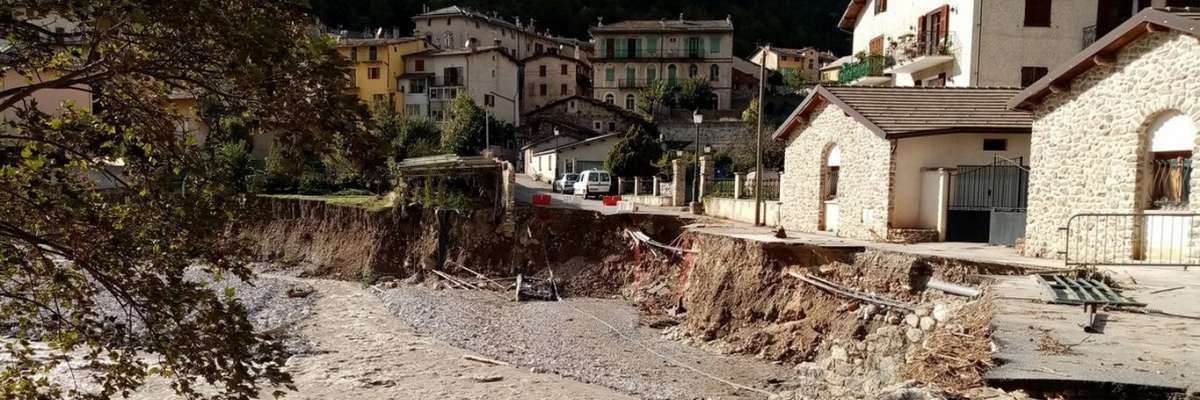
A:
[770,189]
[1137,239]
[724,188]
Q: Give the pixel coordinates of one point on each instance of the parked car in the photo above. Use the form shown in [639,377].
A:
[593,182]
[566,183]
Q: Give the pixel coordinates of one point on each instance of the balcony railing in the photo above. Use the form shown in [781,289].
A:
[684,53]
[634,83]
[873,65]
[909,48]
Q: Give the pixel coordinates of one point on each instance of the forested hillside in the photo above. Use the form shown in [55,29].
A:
[787,23]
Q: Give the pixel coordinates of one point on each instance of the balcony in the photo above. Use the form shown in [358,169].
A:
[653,54]
[867,72]
[634,83]
[915,53]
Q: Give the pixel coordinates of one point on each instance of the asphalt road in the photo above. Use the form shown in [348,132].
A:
[527,187]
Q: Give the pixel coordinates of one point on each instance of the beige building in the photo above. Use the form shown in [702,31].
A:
[805,63]
[375,65]
[451,27]
[1005,43]
[551,77]
[900,163]
[435,77]
[631,54]
[1115,132]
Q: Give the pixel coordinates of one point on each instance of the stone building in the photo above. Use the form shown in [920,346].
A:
[579,115]
[876,163]
[1115,131]
[633,54]
[551,77]
[805,63]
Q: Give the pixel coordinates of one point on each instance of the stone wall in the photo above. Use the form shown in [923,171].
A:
[721,135]
[1089,142]
[577,115]
[865,176]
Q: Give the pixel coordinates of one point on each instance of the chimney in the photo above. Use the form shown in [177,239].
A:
[662,22]
[396,32]
[599,22]
[729,18]
[680,17]
[531,27]
[518,22]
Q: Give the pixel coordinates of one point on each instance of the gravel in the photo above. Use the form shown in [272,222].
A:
[556,338]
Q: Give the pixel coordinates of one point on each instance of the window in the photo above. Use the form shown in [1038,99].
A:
[373,73]
[596,125]
[695,47]
[714,73]
[630,75]
[448,21]
[489,100]
[538,48]
[651,74]
[417,86]
[353,54]
[1029,75]
[714,44]
[542,89]
[880,6]
[571,105]
[562,89]
[373,53]
[610,99]
[564,69]
[379,99]
[995,144]
[419,65]
[412,109]
[429,22]
[476,24]
[693,70]
[630,102]
[541,70]
[610,74]
[671,79]
[876,46]
[612,126]
[1037,12]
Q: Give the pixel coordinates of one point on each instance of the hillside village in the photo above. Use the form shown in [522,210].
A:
[979,200]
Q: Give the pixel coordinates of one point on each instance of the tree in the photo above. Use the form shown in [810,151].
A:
[695,94]
[101,273]
[635,155]
[750,114]
[652,98]
[464,133]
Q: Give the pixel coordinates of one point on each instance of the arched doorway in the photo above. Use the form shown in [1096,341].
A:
[831,165]
[1164,189]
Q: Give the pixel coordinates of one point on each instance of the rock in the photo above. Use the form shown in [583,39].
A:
[914,335]
[487,378]
[869,311]
[941,313]
[537,370]
[300,292]
[912,320]
[922,311]
[838,353]
[892,318]
[927,323]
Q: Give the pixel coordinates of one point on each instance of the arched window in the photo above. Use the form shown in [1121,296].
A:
[714,73]
[610,99]
[630,102]
[1172,138]
[693,70]
[671,74]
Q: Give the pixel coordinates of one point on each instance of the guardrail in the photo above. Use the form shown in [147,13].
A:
[1133,239]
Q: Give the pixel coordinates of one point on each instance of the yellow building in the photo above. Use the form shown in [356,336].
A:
[377,63]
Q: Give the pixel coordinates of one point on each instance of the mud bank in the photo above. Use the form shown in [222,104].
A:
[357,244]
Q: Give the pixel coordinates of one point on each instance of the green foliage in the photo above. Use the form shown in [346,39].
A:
[98,275]
[464,133]
[652,98]
[636,153]
[695,94]
[750,114]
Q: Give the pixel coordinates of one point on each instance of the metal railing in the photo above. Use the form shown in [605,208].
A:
[770,189]
[634,83]
[873,65]
[724,188]
[1089,36]
[684,53]
[911,47]
[1132,239]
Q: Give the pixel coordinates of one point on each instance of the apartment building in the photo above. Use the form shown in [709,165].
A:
[632,54]
[549,77]
[376,65]
[974,42]
[805,63]
[451,27]
[436,76]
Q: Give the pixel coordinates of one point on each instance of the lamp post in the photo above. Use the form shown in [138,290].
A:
[758,164]
[698,119]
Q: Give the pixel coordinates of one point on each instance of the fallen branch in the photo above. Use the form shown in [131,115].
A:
[484,360]
[479,275]
[454,280]
[845,292]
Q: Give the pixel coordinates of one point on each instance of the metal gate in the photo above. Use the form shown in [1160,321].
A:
[987,202]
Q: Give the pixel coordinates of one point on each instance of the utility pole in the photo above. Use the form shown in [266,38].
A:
[758,164]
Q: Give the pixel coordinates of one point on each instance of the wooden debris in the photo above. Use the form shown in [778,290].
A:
[484,360]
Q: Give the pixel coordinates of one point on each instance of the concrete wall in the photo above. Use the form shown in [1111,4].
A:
[741,210]
[1006,44]
[914,155]
[1090,142]
[901,18]
[864,182]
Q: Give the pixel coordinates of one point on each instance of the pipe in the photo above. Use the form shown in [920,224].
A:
[952,288]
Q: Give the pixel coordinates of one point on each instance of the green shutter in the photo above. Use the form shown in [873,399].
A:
[651,74]
[609,73]
[651,45]
[620,47]
[715,44]
[600,46]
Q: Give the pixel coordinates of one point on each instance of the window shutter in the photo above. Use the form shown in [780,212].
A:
[944,26]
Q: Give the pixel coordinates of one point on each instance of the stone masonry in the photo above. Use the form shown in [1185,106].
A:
[1089,141]
[865,176]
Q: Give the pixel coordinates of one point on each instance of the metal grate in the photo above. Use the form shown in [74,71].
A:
[1067,290]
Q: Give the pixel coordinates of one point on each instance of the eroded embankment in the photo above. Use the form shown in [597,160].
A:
[359,244]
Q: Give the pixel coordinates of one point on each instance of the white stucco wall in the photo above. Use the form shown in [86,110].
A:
[901,18]
[942,151]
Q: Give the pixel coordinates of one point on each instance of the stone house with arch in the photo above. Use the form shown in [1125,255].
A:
[1115,132]
[888,163]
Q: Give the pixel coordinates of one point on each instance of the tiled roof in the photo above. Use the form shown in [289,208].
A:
[894,112]
[667,25]
[1181,19]
[837,63]
[347,42]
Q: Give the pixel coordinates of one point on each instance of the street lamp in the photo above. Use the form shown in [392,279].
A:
[698,119]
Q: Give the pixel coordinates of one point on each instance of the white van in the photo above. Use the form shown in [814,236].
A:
[593,182]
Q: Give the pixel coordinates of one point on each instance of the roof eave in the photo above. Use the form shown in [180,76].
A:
[850,16]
